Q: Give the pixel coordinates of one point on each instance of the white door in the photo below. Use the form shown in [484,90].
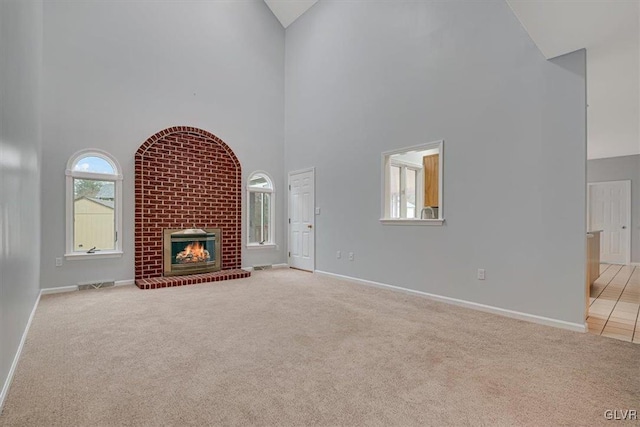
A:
[610,211]
[301,220]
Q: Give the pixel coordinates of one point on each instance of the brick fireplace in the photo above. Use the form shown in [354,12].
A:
[186,178]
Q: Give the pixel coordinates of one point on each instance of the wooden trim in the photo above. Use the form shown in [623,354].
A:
[593,265]
[431,176]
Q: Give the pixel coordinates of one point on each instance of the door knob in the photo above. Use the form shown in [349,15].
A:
[624,227]
[309,226]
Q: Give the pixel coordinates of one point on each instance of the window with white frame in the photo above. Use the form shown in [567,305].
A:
[404,185]
[93,205]
[412,185]
[260,198]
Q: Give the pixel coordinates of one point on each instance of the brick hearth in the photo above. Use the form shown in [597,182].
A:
[186,178]
[167,282]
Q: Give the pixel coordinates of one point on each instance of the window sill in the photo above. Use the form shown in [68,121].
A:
[388,221]
[253,246]
[98,255]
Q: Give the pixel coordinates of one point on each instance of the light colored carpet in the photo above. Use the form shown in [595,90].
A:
[289,348]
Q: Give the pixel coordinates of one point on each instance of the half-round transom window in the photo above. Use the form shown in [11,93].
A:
[259,180]
[94,164]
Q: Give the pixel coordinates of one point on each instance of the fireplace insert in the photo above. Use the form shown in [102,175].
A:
[190,251]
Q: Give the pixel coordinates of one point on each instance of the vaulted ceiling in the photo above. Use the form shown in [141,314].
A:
[288,11]
[608,29]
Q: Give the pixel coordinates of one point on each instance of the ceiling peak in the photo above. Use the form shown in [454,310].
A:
[288,11]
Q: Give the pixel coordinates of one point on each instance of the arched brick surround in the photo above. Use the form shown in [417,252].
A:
[185,178]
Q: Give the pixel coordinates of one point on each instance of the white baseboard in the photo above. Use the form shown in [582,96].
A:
[59,290]
[14,364]
[247,268]
[577,327]
[125,282]
[635,264]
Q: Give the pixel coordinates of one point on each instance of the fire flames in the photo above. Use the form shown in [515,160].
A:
[194,252]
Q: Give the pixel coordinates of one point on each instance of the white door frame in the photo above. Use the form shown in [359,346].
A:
[313,216]
[628,195]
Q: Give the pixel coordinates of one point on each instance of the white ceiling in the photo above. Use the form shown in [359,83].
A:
[608,29]
[288,11]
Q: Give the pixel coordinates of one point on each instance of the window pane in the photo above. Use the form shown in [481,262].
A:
[259,217]
[255,203]
[266,217]
[259,181]
[93,215]
[410,192]
[395,192]
[93,164]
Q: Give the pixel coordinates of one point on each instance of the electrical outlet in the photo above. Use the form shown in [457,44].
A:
[481,274]
[58,262]
[350,256]
[338,254]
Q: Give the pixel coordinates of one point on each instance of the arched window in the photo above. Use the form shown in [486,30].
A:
[260,197]
[94,205]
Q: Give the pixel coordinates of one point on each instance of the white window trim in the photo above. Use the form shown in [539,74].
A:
[253,246]
[411,221]
[386,186]
[70,254]
[271,244]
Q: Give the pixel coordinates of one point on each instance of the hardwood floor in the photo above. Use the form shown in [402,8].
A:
[615,303]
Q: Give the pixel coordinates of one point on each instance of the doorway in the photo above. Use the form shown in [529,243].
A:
[615,292]
[302,219]
[609,210]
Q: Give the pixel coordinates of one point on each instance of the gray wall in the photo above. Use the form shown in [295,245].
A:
[117,72]
[20,143]
[366,77]
[619,169]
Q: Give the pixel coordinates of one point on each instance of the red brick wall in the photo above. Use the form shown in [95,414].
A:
[185,177]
